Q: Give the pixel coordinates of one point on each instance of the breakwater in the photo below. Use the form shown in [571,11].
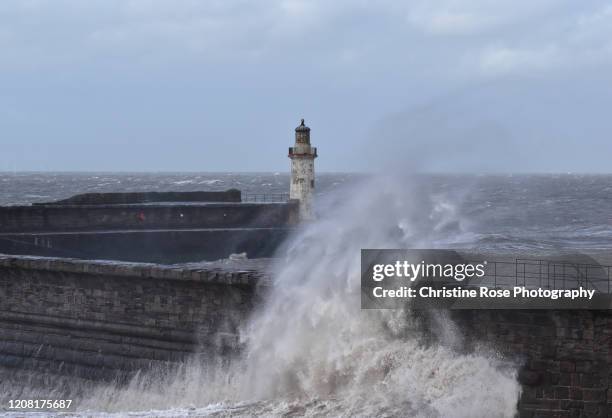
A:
[100,320]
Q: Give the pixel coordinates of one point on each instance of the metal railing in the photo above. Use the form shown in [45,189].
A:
[265,197]
[545,274]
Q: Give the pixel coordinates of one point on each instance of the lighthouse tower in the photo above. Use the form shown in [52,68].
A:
[302,171]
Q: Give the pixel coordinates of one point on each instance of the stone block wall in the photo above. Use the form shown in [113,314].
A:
[103,320]
[565,357]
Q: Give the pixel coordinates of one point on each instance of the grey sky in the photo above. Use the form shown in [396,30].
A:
[219,85]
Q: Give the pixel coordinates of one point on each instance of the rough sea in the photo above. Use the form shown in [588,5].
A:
[310,350]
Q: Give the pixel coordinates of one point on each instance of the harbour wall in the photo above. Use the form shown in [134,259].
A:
[104,320]
[99,320]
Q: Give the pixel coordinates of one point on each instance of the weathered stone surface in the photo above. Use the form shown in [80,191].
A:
[529,378]
[565,357]
[93,318]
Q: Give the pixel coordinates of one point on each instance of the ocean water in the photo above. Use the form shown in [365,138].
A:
[310,350]
[24,188]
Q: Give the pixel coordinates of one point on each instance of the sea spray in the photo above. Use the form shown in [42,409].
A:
[311,340]
[310,350]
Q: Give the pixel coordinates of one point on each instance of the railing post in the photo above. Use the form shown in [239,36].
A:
[516,272]
[540,272]
[564,275]
[495,274]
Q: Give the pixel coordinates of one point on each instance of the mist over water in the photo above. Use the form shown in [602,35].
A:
[310,350]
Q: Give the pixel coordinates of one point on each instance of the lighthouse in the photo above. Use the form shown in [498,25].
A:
[302,171]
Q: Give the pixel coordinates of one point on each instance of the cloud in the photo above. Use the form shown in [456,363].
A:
[416,36]
[593,32]
[159,71]
[502,60]
[583,41]
[460,17]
